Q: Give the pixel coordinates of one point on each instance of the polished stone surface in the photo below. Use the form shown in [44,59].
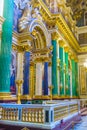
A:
[82,125]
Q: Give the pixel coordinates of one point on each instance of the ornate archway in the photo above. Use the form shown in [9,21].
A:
[40,58]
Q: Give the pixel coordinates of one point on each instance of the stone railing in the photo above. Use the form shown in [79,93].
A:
[46,115]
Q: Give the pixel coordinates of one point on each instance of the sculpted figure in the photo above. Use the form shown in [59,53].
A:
[26,17]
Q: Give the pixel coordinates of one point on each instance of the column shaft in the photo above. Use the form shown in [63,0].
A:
[73,78]
[39,74]
[49,78]
[45,78]
[26,73]
[6,45]
[76,78]
[20,57]
[67,75]
[61,71]
[54,69]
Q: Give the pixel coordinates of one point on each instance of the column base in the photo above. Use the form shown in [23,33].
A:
[26,97]
[60,97]
[7,97]
[74,97]
[42,97]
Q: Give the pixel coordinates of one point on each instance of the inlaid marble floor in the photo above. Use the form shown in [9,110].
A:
[82,125]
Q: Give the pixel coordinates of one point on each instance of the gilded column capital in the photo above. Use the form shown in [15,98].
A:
[32,63]
[66,49]
[72,57]
[50,63]
[61,43]
[42,59]
[22,48]
[76,59]
[55,36]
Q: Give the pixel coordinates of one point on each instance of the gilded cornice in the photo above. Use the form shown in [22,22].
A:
[82,50]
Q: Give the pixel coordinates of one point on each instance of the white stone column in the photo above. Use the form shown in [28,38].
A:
[20,57]
[39,74]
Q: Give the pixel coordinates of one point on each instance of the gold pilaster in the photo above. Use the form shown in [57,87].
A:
[32,82]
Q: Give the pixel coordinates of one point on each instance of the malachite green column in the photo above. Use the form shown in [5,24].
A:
[58,68]
[54,69]
[73,78]
[67,89]
[6,45]
[61,71]
[76,78]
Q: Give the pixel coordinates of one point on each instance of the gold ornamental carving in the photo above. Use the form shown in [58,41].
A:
[55,36]
[19,85]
